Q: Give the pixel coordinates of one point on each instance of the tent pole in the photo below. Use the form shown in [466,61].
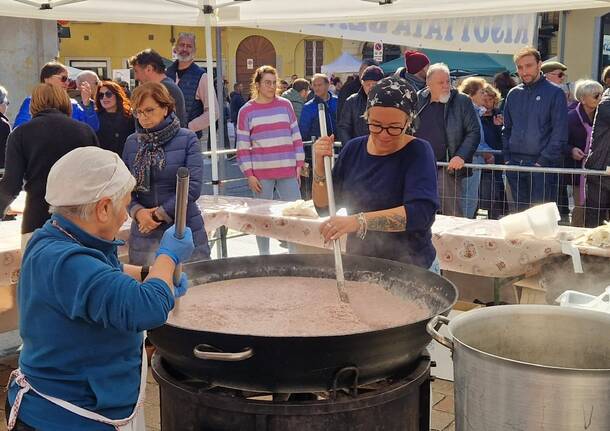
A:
[208,11]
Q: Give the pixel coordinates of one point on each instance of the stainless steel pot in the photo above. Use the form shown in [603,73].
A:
[529,368]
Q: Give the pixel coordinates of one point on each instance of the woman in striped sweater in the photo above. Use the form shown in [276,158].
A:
[269,146]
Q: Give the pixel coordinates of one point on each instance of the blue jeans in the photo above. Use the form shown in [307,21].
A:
[529,189]
[470,189]
[287,190]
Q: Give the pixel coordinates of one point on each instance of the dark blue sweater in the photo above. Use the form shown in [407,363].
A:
[82,321]
[364,183]
[535,123]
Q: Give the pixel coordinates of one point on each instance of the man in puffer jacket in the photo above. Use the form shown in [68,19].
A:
[448,121]
[598,187]
[535,131]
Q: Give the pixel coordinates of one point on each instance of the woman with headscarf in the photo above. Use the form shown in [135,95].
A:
[153,155]
[386,180]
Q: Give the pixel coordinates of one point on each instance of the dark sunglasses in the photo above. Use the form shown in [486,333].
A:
[107,94]
[62,78]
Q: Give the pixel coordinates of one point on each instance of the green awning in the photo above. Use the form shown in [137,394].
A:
[470,62]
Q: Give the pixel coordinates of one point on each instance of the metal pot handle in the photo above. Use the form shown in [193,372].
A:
[431,328]
[202,351]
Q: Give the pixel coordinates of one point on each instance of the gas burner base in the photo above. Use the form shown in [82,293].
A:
[394,404]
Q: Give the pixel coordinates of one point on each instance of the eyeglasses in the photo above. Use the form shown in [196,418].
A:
[145,112]
[376,129]
[557,74]
[596,95]
[269,83]
[62,78]
[107,94]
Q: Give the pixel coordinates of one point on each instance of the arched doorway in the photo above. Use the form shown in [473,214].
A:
[252,52]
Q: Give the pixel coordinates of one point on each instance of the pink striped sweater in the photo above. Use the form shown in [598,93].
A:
[269,144]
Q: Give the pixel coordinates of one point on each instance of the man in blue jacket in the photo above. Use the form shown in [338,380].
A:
[82,314]
[309,123]
[535,131]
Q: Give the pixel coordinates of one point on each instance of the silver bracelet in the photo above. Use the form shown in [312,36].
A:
[363,229]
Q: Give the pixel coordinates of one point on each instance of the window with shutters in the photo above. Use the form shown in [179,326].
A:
[314,56]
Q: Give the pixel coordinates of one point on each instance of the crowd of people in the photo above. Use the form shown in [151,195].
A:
[540,122]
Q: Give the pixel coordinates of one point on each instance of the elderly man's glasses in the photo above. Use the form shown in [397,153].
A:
[107,94]
[376,129]
[557,74]
[597,95]
[145,113]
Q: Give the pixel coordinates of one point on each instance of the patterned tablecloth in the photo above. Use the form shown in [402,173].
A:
[463,245]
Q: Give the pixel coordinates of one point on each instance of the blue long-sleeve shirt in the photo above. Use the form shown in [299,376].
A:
[82,321]
[364,182]
[535,123]
[85,114]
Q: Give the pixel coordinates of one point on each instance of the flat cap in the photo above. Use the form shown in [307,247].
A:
[549,66]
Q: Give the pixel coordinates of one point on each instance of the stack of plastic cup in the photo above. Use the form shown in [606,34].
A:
[540,221]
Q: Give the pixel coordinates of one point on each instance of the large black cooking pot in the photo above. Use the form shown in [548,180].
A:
[305,364]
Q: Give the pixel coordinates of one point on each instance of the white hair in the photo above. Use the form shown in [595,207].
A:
[82,76]
[437,67]
[3,95]
[187,35]
[84,211]
[586,87]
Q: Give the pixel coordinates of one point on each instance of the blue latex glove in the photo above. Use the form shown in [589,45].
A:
[182,286]
[179,250]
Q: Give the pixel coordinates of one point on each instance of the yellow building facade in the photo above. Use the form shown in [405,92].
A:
[107,47]
[587,31]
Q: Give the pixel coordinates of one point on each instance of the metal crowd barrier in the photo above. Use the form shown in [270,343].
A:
[493,191]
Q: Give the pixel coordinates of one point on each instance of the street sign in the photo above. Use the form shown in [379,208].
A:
[378,52]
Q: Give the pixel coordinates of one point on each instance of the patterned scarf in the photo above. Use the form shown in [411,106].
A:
[151,153]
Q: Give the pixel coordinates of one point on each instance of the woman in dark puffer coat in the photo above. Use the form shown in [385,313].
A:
[153,155]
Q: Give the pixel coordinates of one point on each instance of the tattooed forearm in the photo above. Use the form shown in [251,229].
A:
[387,223]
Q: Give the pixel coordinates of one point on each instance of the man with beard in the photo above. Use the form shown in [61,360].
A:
[535,131]
[449,122]
[193,82]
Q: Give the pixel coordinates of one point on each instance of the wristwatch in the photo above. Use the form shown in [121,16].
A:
[144,272]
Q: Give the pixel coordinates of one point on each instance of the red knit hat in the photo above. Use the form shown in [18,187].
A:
[415,61]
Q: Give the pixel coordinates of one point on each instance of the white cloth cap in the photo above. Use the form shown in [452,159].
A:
[86,175]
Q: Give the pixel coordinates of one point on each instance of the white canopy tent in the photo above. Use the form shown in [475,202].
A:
[279,12]
[345,63]
[209,13]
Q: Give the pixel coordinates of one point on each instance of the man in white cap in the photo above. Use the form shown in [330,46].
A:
[82,313]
